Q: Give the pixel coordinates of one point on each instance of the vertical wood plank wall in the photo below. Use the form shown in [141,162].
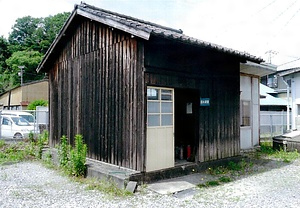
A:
[215,76]
[96,89]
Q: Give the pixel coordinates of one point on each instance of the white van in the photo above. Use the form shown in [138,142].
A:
[15,127]
[28,116]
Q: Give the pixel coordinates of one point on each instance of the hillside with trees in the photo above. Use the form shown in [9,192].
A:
[25,47]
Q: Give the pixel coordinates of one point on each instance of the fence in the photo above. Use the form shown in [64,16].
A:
[18,124]
[272,123]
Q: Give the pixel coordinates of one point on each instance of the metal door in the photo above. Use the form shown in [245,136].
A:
[160,128]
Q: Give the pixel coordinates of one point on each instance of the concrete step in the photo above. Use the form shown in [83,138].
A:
[117,174]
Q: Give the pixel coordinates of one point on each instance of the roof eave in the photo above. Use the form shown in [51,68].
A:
[56,41]
[138,33]
[115,24]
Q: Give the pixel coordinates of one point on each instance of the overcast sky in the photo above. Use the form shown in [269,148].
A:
[254,26]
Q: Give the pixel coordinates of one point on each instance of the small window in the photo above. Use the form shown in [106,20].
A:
[152,94]
[153,107]
[245,113]
[166,94]
[159,107]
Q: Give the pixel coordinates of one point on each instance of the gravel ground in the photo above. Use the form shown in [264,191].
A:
[30,184]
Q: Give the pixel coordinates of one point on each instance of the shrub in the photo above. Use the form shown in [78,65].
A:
[63,152]
[33,104]
[72,160]
[78,157]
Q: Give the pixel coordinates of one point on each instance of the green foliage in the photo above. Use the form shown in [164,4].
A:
[41,142]
[29,33]
[63,152]
[33,104]
[78,157]
[225,179]
[27,43]
[266,148]
[20,151]
[4,53]
[73,159]
[15,152]
[48,159]
[30,60]
[31,137]
[2,143]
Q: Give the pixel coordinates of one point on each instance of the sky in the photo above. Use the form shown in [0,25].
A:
[264,28]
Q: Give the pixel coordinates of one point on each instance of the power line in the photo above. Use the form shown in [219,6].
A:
[289,62]
[278,16]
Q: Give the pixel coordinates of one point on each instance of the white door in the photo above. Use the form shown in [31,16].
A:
[6,128]
[160,128]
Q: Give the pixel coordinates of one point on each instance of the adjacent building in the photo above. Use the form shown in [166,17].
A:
[18,98]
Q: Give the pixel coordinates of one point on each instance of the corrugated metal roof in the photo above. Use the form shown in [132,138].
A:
[155,29]
[268,99]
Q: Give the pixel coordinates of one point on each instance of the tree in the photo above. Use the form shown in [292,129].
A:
[36,34]
[27,43]
[30,61]
[4,53]
[33,104]
[52,26]
[22,35]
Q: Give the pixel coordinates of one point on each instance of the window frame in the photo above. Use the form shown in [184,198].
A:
[161,100]
[245,121]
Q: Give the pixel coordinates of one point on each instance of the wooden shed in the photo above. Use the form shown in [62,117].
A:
[144,96]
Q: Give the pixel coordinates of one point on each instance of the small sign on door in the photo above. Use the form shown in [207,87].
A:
[204,101]
[189,108]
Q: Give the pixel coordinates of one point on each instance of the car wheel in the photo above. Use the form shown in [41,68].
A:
[18,136]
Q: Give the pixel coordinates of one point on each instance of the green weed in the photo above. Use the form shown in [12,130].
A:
[73,159]
[78,157]
[225,179]
[266,148]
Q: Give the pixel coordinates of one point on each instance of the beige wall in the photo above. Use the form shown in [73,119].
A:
[26,93]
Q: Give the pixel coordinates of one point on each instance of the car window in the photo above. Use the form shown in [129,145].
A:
[29,118]
[20,121]
[5,121]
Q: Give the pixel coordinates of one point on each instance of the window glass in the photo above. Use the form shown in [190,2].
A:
[153,107]
[167,107]
[166,94]
[153,120]
[159,107]
[166,119]
[5,121]
[245,113]
[152,94]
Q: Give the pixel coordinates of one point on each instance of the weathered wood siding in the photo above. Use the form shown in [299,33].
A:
[216,76]
[97,90]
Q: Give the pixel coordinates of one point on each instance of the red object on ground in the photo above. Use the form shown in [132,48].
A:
[188,151]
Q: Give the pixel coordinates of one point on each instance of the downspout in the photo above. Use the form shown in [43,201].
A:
[287,105]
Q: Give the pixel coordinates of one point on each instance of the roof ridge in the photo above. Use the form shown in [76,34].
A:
[85,5]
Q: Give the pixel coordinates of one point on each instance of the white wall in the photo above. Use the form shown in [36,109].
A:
[295,100]
[249,87]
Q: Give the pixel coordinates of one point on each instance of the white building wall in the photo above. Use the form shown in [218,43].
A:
[295,100]
[249,87]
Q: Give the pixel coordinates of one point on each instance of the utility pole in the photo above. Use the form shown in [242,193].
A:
[21,73]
